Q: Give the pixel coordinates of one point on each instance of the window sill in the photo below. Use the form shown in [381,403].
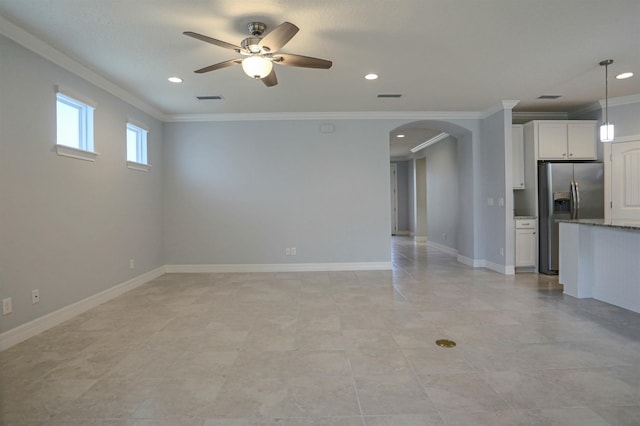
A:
[138,166]
[79,154]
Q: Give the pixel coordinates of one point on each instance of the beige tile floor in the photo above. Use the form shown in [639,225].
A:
[325,348]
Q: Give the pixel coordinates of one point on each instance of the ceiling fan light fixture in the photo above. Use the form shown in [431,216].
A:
[256,66]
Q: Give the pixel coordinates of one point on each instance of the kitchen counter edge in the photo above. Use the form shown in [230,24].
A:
[610,223]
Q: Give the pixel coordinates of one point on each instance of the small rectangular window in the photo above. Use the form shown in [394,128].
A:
[74,120]
[136,146]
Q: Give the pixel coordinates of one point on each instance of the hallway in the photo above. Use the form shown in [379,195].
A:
[334,348]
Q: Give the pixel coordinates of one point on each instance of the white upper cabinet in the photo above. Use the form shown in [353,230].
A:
[517,137]
[567,140]
[581,140]
[552,141]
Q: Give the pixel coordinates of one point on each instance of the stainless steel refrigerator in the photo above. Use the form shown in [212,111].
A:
[566,191]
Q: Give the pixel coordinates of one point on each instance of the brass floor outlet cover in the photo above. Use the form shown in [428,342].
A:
[444,343]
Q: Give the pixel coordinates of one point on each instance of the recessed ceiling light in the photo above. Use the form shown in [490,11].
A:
[175,79]
[624,75]
[371,76]
[399,136]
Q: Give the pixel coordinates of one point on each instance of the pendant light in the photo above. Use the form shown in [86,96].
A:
[606,129]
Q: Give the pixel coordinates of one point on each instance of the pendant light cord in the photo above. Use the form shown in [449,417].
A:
[606,64]
[606,93]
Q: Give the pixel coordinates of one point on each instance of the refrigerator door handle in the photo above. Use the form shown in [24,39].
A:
[572,200]
[577,189]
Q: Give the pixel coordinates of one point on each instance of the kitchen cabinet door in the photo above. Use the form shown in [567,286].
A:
[517,138]
[525,247]
[581,141]
[552,140]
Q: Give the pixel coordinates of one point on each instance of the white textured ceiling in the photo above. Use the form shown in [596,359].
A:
[441,55]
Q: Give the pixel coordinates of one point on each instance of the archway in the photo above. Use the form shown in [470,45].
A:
[439,180]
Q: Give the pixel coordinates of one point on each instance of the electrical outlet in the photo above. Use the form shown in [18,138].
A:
[501,251]
[132,264]
[287,251]
[35,296]
[7,306]
[490,201]
[293,251]
[501,201]
[444,236]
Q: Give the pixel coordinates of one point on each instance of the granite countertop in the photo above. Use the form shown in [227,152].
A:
[525,217]
[609,223]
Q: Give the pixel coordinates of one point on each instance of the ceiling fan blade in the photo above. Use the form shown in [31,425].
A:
[271,79]
[212,41]
[278,37]
[302,61]
[218,66]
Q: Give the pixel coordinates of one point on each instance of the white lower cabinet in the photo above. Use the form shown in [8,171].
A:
[526,242]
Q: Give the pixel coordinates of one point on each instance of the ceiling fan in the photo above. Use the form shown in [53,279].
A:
[260,53]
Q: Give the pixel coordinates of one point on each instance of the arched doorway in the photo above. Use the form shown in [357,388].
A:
[435,181]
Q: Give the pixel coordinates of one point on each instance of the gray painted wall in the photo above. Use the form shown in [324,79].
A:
[420,183]
[492,166]
[626,119]
[241,192]
[403,195]
[69,227]
[443,204]
[411,199]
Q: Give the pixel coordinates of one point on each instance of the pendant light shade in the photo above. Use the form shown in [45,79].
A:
[256,66]
[606,132]
[606,129]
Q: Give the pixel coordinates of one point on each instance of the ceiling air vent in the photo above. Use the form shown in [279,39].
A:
[549,96]
[389,95]
[209,98]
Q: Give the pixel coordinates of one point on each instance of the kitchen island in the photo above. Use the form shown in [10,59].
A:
[600,259]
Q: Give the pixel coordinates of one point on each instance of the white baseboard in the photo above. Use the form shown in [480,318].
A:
[474,263]
[23,332]
[505,270]
[403,233]
[443,248]
[482,263]
[285,267]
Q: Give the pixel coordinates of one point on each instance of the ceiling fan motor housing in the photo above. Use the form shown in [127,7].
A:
[251,44]
[256,28]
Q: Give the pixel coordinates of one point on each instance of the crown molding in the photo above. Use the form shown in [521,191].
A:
[503,105]
[587,109]
[31,42]
[539,115]
[338,115]
[622,100]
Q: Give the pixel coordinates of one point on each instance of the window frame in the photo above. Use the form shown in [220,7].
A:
[85,150]
[141,162]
